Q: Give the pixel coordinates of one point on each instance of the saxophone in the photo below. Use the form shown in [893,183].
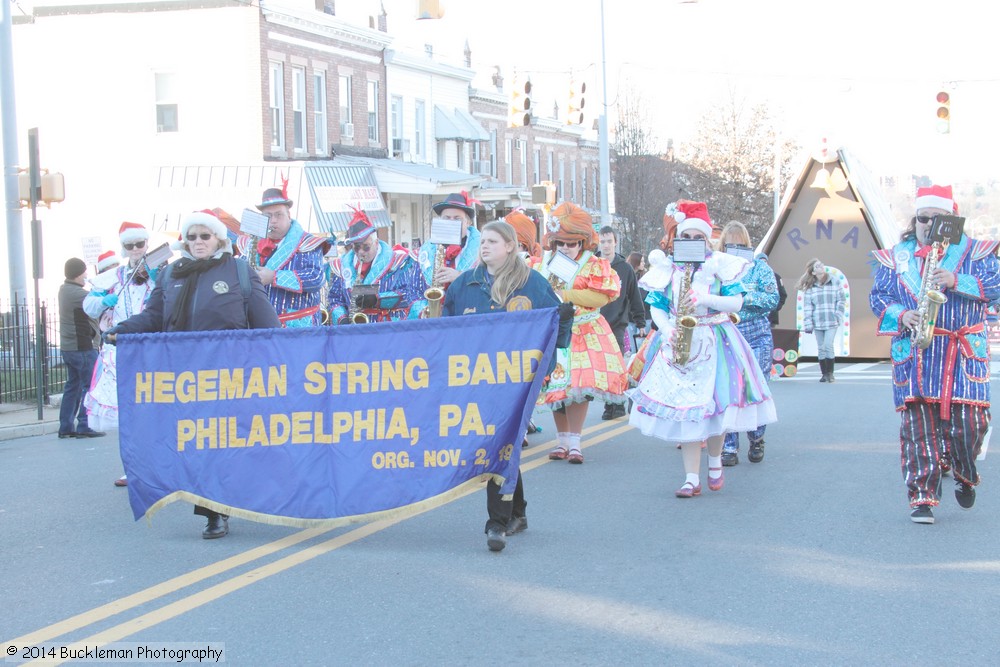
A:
[354,315]
[929,300]
[435,293]
[686,321]
[252,255]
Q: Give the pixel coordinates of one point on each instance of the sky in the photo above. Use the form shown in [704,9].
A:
[863,74]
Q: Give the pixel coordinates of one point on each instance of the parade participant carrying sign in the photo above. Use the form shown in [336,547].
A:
[118,297]
[930,294]
[288,262]
[205,290]
[701,378]
[592,367]
[395,284]
[442,264]
[502,282]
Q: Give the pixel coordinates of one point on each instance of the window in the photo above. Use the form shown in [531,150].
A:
[419,122]
[277,82]
[397,122]
[562,178]
[299,108]
[373,111]
[166,102]
[583,183]
[522,147]
[319,112]
[509,162]
[549,177]
[538,165]
[572,181]
[460,156]
[493,153]
[346,117]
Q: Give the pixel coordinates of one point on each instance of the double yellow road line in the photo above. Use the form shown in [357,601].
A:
[531,458]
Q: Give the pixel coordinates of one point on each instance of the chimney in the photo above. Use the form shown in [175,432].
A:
[468,55]
[383,20]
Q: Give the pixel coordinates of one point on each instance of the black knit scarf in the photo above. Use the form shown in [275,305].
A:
[189,270]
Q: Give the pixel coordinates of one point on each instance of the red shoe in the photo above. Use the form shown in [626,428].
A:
[688,490]
[575,456]
[122,481]
[715,483]
[558,454]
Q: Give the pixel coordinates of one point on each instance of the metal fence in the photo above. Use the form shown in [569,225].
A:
[18,353]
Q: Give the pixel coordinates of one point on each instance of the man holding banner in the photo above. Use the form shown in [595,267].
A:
[397,286]
[289,262]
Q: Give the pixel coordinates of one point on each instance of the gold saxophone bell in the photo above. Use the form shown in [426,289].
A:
[359,318]
[435,297]
[324,316]
[686,322]
[435,293]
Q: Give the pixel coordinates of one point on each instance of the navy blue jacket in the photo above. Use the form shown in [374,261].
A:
[216,305]
[470,293]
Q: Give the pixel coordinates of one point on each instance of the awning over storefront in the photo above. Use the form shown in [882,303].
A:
[409,178]
[335,188]
[322,192]
[457,124]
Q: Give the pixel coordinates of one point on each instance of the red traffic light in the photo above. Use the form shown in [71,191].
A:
[943,98]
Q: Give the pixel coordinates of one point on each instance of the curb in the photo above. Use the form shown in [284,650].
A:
[28,430]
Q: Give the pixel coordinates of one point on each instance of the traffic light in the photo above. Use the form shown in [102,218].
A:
[943,112]
[577,102]
[520,103]
[429,9]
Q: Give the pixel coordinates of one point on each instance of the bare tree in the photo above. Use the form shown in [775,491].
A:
[642,175]
[730,164]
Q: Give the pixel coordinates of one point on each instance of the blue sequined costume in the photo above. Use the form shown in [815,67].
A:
[400,283]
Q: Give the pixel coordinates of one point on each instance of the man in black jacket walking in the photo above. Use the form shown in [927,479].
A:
[627,307]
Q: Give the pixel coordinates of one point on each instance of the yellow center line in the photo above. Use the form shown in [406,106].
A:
[207,595]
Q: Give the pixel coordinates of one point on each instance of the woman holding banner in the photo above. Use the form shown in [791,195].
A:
[592,367]
[205,290]
[501,282]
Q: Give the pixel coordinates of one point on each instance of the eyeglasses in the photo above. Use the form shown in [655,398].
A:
[204,236]
[567,244]
[138,244]
[924,219]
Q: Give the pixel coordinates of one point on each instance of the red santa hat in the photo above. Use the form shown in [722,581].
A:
[131,232]
[692,215]
[936,196]
[107,260]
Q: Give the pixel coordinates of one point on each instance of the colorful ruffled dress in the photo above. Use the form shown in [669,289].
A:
[721,387]
[592,366]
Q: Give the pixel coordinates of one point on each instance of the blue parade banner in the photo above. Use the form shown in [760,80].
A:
[328,425]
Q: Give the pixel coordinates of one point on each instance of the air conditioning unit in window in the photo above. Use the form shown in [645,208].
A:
[400,146]
[347,129]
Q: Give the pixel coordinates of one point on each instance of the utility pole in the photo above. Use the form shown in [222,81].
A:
[602,128]
[8,118]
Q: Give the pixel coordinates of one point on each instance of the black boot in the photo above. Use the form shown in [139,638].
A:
[829,370]
[822,369]
[218,526]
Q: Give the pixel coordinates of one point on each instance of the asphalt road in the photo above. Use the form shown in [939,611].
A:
[806,558]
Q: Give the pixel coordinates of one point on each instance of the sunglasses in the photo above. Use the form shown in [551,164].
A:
[567,244]
[924,219]
[138,244]
[204,236]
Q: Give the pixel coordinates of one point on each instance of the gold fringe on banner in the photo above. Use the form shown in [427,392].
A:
[278,520]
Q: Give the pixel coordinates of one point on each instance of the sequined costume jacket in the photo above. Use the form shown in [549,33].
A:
[400,283]
[297,262]
[762,291]
[955,368]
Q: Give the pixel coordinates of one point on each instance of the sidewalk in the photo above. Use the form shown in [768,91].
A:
[20,420]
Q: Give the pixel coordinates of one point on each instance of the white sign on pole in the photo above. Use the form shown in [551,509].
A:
[91,249]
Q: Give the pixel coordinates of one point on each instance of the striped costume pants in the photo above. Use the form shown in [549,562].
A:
[757,331]
[926,440]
